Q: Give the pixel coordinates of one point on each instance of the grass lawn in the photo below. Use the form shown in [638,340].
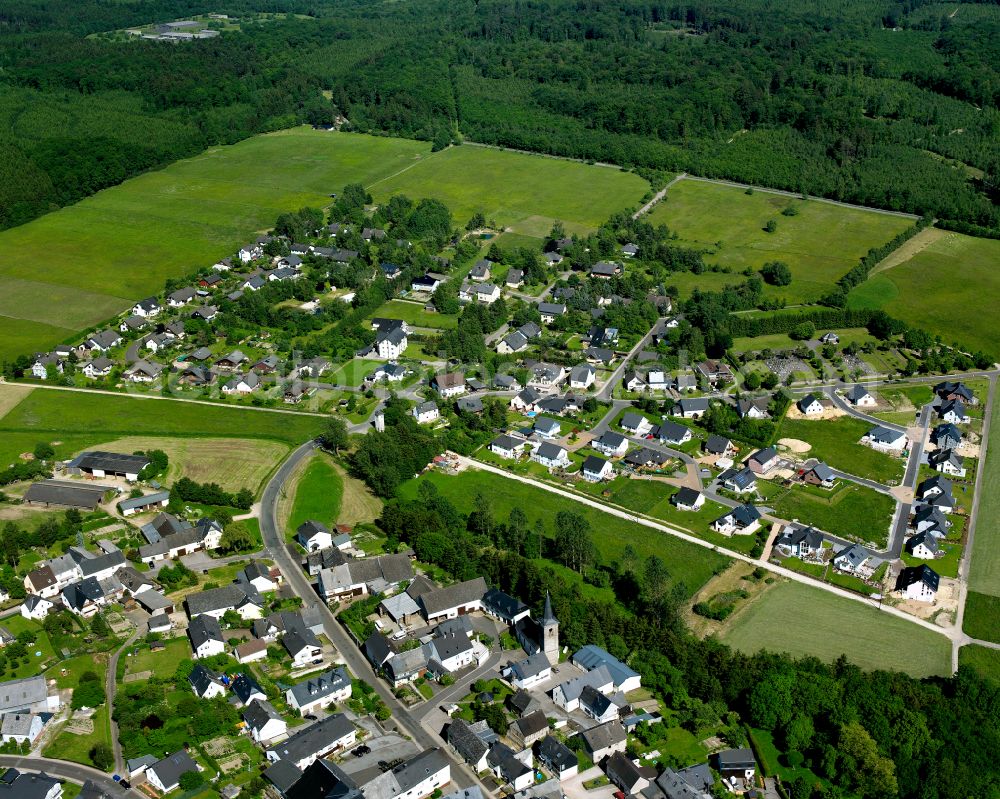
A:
[984,660]
[836,442]
[414,314]
[782,341]
[772,761]
[93,418]
[826,626]
[981,614]
[923,291]
[233,463]
[68,746]
[905,401]
[820,244]
[318,493]
[358,505]
[162,663]
[688,563]
[352,373]
[33,663]
[849,510]
[526,193]
[119,245]
[984,568]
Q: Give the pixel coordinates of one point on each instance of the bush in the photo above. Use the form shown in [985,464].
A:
[777,273]
[191,779]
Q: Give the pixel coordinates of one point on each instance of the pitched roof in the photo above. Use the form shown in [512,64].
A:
[314,738]
[203,629]
[170,769]
[453,595]
[320,686]
[918,574]
[604,735]
[464,740]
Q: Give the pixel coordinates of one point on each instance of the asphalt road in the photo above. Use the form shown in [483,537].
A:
[68,771]
[349,651]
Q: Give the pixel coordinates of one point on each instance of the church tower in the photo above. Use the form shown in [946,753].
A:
[550,632]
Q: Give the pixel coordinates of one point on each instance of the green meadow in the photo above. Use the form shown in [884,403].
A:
[826,626]
[820,244]
[982,606]
[80,419]
[526,193]
[944,288]
[74,268]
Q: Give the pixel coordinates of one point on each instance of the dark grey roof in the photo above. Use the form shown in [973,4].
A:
[632,421]
[549,451]
[201,678]
[258,713]
[717,445]
[228,596]
[469,745]
[320,686]
[918,574]
[245,686]
[604,735]
[317,737]
[502,604]
[283,775]
[110,462]
[686,496]
[556,754]
[594,464]
[26,785]
[204,628]
[672,432]
[454,595]
[927,538]
[66,493]
[144,501]
[170,769]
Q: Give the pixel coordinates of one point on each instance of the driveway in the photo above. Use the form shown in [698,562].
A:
[573,787]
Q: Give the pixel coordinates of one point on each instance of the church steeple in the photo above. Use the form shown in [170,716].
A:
[550,631]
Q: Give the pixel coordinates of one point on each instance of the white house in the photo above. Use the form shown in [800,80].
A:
[165,775]
[884,439]
[206,637]
[551,455]
[313,536]
[263,723]
[450,384]
[205,683]
[146,308]
[242,384]
[611,443]
[861,397]
[742,520]
[851,559]
[426,412]
[919,583]
[506,446]
[550,311]
[391,344]
[636,424]
[688,499]
[597,469]
[923,545]
[546,428]
[35,607]
[582,376]
[319,691]
[21,727]
[810,405]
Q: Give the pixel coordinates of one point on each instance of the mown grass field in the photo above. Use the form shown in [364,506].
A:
[318,493]
[233,463]
[836,442]
[847,510]
[81,419]
[67,746]
[802,620]
[688,563]
[415,315]
[77,266]
[982,608]
[352,373]
[782,341]
[526,193]
[937,287]
[820,244]
[984,660]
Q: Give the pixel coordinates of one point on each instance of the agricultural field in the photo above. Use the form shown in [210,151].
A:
[820,243]
[848,510]
[317,494]
[827,626]
[233,463]
[119,245]
[984,660]
[358,505]
[924,290]
[688,563]
[982,608]
[835,441]
[523,192]
[89,418]
[415,316]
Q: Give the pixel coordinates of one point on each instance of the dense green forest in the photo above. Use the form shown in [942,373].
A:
[881,103]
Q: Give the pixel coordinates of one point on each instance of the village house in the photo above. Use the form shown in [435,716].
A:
[165,775]
[449,384]
[604,740]
[953,411]
[206,637]
[919,583]
[313,536]
[753,408]
[800,542]
[693,408]
[582,376]
[596,469]
[550,311]
[715,372]
[948,462]
[205,683]
[611,444]
[739,480]
[923,545]
[851,559]
[810,405]
[507,446]
[885,439]
[426,412]
[741,520]
[819,475]
[673,433]
[687,499]
[860,397]
[551,455]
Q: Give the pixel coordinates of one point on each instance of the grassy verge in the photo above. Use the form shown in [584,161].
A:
[836,442]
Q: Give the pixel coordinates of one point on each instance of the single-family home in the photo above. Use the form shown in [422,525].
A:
[672,433]
[313,535]
[819,475]
[147,307]
[165,775]
[923,545]
[303,647]
[98,368]
[949,390]
[181,297]
[246,689]
[40,368]
[885,439]
[514,769]
[860,397]
[205,683]
[763,460]
[391,344]
[550,311]
[546,428]
[741,520]
[611,443]
[241,597]
[242,384]
[631,778]
[582,376]
[512,343]
[932,487]
[688,499]
[206,637]
[450,602]
[604,740]
[558,758]
[426,283]
[319,691]
[953,411]
[715,372]
[449,384]
[426,412]
[330,734]
[800,542]
[143,371]
[851,559]
[633,381]
[598,706]
[948,462]
[737,767]
[753,408]
[526,400]
[471,747]
[719,446]
[810,405]
[739,480]
[531,671]
[36,607]
[263,723]
[529,729]
[605,270]
[596,469]
[920,583]
[551,455]
[693,408]
[507,446]
[927,517]
[947,436]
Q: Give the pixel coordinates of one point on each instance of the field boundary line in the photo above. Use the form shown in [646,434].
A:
[792,575]
[917,244]
[104,392]
[793,195]
[401,171]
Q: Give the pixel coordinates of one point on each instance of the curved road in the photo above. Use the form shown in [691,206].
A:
[73,772]
[349,651]
[111,688]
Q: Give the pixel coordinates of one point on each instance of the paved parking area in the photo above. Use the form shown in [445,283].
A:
[388,747]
